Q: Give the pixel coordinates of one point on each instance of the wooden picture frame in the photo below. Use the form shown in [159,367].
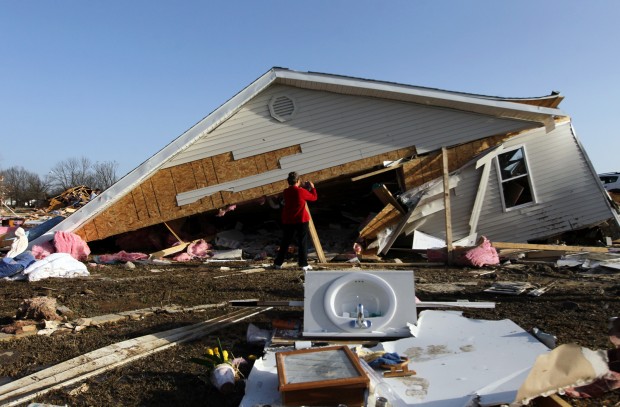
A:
[321,376]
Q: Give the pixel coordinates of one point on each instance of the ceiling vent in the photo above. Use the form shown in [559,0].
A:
[282,108]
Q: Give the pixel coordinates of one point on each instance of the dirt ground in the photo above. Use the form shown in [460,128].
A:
[576,310]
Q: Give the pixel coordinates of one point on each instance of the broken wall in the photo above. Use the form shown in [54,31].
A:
[567,194]
[248,155]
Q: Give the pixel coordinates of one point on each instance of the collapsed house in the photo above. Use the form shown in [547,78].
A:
[516,169]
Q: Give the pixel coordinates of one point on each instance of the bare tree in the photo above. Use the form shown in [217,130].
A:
[104,174]
[22,187]
[36,189]
[71,173]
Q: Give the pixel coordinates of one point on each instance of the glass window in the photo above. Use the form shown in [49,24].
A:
[514,177]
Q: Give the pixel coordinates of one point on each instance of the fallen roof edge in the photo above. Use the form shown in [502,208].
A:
[429,94]
[144,170]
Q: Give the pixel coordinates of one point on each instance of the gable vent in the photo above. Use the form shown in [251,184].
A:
[282,107]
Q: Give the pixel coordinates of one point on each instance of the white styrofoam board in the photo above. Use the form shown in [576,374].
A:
[457,360]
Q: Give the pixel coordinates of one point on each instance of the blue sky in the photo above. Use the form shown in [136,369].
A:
[118,80]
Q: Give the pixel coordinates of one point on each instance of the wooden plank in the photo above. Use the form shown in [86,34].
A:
[454,304]
[173,234]
[446,201]
[387,217]
[386,197]
[110,357]
[377,172]
[315,238]
[555,247]
[379,264]
[167,252]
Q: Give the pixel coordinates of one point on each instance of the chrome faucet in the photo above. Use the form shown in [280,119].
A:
[360,322]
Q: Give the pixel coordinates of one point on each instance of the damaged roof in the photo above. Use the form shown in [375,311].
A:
[211,165]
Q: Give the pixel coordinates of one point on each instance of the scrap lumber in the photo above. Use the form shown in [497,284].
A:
[315,238]
[377,172]
[455,304]
[555,247]
[375,265]
[101,360]
[252,302]
[446,204]
[175,249]
[241,273]
[388,216]
[174,234]
[398,370]
[386,197]
[169,251]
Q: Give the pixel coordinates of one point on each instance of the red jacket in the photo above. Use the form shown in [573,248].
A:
[294,210]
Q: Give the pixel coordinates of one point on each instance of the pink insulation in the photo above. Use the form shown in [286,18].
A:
[195,250]
[182,257]
[122,256]
[43,250]
[199,248]
[67,242]
[483,254]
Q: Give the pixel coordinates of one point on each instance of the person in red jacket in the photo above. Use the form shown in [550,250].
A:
[295,218]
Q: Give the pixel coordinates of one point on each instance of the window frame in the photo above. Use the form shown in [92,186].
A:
[527,176]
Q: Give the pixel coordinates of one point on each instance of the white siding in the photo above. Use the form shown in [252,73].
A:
[327,121]
[461,201]
[568,194]
[334,129]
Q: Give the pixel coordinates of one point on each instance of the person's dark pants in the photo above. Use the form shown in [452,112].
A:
[289,232]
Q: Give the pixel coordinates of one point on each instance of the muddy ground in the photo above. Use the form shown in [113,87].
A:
[576,310]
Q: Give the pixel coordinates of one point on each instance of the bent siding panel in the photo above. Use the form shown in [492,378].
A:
[567,194]
[461,202]
[334,123]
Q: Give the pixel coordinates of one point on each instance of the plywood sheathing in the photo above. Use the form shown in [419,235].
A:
[388,216]
[426,168]
[154,200]
[423,169]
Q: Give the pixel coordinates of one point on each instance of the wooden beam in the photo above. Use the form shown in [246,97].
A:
[178,248]
[174,234]
[456,304]
[387,217]
[555,247]
[386,197]
[375,265]
[168,251]
[381,171]
[101,360]
[315,238]
[446,201]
